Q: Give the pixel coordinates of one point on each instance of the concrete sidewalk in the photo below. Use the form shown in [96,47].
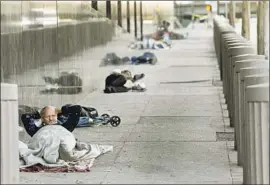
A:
[175,132]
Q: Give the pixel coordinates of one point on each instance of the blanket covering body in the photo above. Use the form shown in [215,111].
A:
[55,146]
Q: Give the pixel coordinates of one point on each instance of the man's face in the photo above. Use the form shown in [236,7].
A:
[49,117]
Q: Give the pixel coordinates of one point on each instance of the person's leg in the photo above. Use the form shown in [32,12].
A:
[116,89]
[121,89]
[108,90]
[84,121]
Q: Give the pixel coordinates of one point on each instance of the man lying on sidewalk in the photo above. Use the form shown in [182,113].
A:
[48,116]
[52,146]
[123,81]
[146,58]
[150,43]
[88,116]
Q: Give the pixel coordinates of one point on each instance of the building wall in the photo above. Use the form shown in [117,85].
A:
[42,47]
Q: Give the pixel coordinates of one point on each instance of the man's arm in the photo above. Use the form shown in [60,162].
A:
[73,113]
[29,123]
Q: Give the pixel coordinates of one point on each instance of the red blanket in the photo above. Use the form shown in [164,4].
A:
[41,168]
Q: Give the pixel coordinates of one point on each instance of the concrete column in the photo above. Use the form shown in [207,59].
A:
[266,29]
[226,9]
[232,13]
[260,27]
[141,20]
[119,13]
[135,20]
[94,5]
[218,8]
[108,9]
[246,19]
[128,17]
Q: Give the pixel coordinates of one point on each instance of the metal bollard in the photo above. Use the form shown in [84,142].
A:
[234,43]
[221,53]
[239,106]
[9,134]
[247,81]
[223,34]
[232,35]
[257,97]
[236,88]
[229,64]
[224,47]
[234,59]
[233,51]
[230,42]
[225,56]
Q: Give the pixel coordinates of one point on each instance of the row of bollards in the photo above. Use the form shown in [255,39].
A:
[245,77]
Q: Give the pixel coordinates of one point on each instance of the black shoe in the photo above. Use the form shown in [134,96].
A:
[108,90]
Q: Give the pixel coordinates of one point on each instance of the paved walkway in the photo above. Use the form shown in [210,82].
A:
[175,132]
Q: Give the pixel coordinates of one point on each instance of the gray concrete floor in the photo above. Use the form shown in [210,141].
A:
[168,133]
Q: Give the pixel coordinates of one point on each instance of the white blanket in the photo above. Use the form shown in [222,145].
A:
[55,146]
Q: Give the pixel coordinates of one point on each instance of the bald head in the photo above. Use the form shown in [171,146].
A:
[48,115]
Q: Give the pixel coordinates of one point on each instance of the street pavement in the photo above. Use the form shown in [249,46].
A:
[175,132]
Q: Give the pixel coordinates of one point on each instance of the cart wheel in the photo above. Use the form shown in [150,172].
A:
[115,121]
[105,116]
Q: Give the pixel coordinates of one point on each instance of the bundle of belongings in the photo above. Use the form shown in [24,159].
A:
[53,147]
[113,59]
[123,81]
[150,43]
[67,83]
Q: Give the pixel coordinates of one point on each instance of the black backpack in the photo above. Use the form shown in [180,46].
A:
[89,112]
